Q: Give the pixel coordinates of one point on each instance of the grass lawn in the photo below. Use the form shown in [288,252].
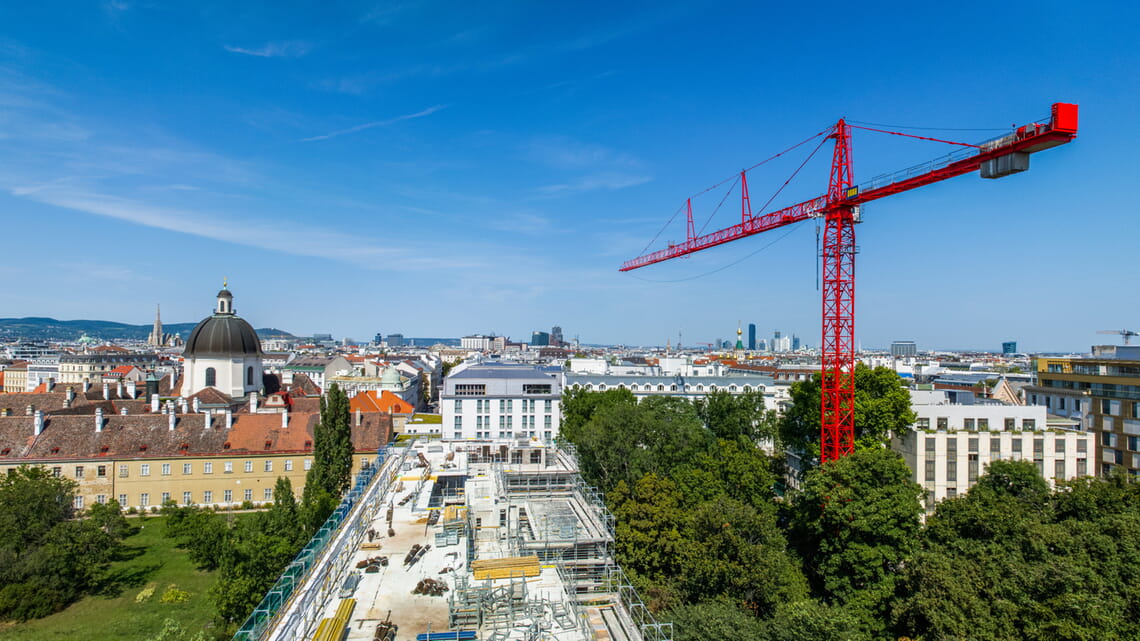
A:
[151,560]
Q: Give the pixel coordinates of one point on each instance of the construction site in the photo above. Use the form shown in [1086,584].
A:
[499,541]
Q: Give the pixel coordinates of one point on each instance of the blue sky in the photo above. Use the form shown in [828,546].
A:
[438,169]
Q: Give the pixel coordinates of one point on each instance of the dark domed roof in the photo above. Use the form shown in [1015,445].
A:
[223,335]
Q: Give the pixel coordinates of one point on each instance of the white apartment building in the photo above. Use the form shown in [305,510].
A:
[501,401]
[950,444]
[687,387]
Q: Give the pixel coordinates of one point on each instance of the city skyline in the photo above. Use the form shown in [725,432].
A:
[498,164]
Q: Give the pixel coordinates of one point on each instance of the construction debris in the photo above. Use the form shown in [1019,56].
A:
[430,587]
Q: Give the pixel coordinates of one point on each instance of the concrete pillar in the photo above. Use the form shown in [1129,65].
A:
[38,421]
[171,419]
[154,404]
[285,419]
[229,418]
[99,419]
[106,391]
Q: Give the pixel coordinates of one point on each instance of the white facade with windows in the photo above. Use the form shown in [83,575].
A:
[688,387]
[501,402]
[950,445]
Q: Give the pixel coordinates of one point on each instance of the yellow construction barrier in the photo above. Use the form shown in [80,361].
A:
[332,628]
[513,566]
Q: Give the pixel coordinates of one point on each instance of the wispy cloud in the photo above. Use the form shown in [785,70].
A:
[284,49]
[603,181]
[378,123]
[595,167]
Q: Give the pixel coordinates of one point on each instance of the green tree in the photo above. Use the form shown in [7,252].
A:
[731,416]
[48,557]
[331,472]
[855,523]
[882,406]
[719,619]
[810,620]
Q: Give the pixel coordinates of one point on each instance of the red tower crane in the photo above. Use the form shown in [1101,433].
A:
[839,208]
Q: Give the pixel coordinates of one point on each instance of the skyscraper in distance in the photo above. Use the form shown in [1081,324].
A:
[752,337]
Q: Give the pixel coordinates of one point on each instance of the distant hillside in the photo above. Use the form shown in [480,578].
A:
[52,329]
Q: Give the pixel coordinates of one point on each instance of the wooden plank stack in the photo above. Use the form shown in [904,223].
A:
[512,566]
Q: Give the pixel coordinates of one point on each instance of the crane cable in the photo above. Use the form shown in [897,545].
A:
[791,228]
[733,177]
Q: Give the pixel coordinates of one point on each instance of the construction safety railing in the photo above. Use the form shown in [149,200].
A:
[651,629]
[326,545]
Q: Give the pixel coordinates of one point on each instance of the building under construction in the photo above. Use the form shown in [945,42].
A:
[494,540]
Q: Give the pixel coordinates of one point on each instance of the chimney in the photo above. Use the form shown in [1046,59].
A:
[39,421]
[183,405]
[229,418]
[119,388]
[50,384]
[106,391]
[86,385]
[285,419]
[123,411]
[209,418]
[132,389]
[154,404]
[171,418]
[359,417]
[70,396]
[31,410]
[6,411]
[197,405]
[253,402]
[98,419]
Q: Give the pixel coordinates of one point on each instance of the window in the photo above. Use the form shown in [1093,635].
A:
[972,445]
[1059,469]
[228,467]
[1016,445]
[249,375]
[248,495]
[207,497]
[1118,457]
[208,467]
[1028,424]
[930,470]
[268,494]
[144,469]
[536,389]
[211,377]
[187,498]
[122,500]
[144,499]
[995,447]
[972,468]
[268,465]
[547,422]
[458,423]
[78,502]
[78,471]
[1082,467]
[308,464]
[922,423]
[1059,446]
[101,499]
[1038,447]
[57,471]
[187,468]
[228,496]
[165,497]
[943,422]
[951,492]
[101,471]
[471,390]
[1105,406]
[1061,402]
[288,465]
[952,470]
[930,444]
[1108,439]
[166,469]
[983,424]
[459,405]
[550,404]
[968,424]
[249,466]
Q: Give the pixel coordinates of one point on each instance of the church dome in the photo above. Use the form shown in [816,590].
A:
[224,333]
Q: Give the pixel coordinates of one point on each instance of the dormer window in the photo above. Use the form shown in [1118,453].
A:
[226,445]
[308,445]
[142,448]
[55,450]
[5,451]
[268,444]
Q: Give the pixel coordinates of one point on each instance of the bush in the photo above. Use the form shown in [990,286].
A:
[247,505]
[174,595]
[145,594]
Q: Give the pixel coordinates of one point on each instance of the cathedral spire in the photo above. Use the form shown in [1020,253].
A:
[156,339]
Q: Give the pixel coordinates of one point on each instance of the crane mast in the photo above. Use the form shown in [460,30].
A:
[839,209]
